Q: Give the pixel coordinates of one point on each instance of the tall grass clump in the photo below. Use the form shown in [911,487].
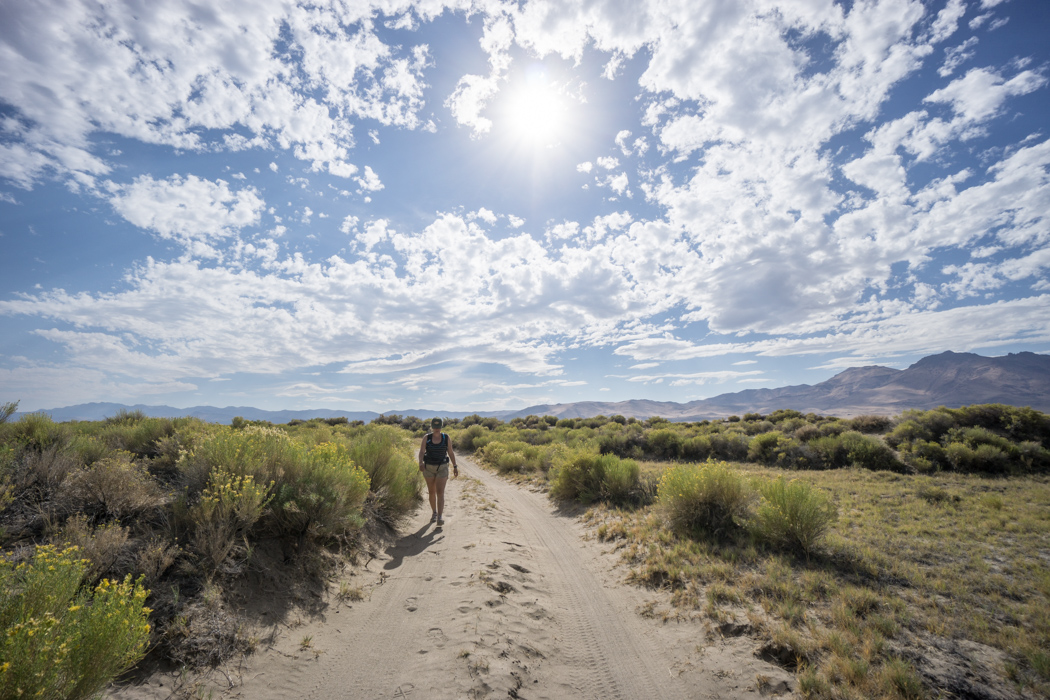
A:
[585,476]
[699,499]
[792,514]
[385,453]
[59,640]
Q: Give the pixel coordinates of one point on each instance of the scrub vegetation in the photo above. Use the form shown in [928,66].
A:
[874,557]
[135,533]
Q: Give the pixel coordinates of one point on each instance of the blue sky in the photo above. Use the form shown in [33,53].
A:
[489,205]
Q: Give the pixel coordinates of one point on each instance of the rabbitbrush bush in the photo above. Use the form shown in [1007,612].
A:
[229,506]
[324,495]
[792,514]
[59,640]
[705,498]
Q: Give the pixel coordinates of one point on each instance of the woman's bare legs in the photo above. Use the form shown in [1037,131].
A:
[432,492]
[439,486]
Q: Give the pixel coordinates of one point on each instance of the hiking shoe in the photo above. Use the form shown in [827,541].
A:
[441,521]
[433,517]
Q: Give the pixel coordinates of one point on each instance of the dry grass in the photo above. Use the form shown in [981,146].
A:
[913,563]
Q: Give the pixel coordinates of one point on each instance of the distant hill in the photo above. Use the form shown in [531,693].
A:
[948,379]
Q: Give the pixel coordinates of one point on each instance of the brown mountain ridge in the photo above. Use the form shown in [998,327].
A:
[949,379]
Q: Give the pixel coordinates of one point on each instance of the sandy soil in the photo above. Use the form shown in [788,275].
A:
[508,599]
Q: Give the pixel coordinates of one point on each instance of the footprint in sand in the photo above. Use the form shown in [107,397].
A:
[520,569]
[410,604]
[437,636]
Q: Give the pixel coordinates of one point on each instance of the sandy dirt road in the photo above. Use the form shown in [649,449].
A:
[507,600]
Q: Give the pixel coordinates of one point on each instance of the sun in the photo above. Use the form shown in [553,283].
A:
[536,112]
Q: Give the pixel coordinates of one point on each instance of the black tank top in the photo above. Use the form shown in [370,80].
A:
[437,453]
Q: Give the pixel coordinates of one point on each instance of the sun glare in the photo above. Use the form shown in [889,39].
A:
[537,113]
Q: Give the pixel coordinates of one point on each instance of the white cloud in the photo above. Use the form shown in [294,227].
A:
[369,182]
[349,224]
[980,94]
[585,167]
[470,97]
[169,74]
[621,141]
[608,162]
[956,56]
[186,208]
[485,215]
[947,21]
[514,221]
[693,378]
[617,183]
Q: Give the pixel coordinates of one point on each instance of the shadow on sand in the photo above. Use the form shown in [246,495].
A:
[412,544]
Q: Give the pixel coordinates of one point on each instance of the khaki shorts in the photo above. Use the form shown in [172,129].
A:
[439,471]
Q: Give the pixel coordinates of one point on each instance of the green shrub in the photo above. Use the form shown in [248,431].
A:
[620,480]
[126,417]
[697,449]
[870,424]
[829,451]
[88,448]
[664,444]
[1033,456]
[703,499]
[60,641]
[7,410]
[387,456]
[807,432]
[586,476]
[140,437]
[959,456]
[926,456]
[322,496]
[763,448]
[729,446]
[465,440]
[510,462]
[36,431]
[991,459]
[792,514]
[868,452]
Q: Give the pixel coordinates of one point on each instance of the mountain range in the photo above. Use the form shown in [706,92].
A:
[948,379]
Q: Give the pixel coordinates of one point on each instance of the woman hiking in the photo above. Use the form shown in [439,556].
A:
[434,454]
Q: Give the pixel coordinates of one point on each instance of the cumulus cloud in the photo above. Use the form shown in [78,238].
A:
[166,75]
[369,182]
[186,208]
